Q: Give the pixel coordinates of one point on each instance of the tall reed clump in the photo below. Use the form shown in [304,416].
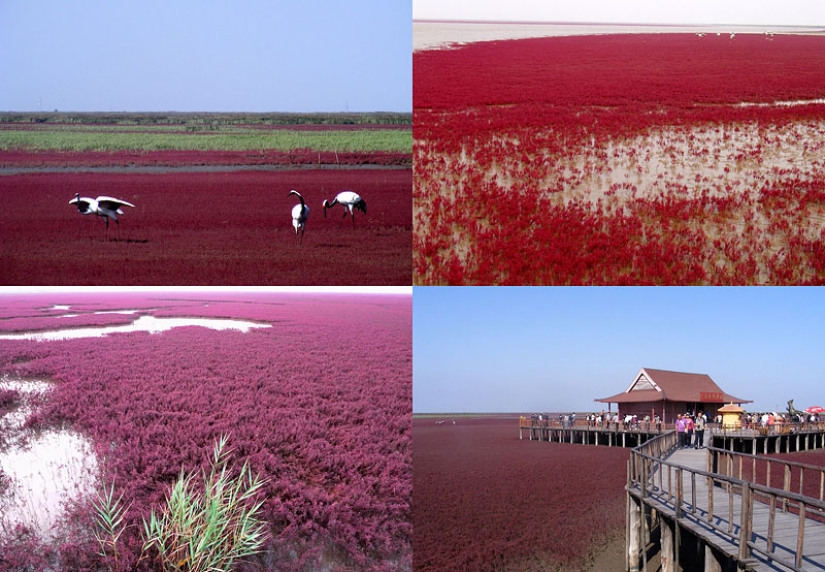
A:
[109,513]
[198,529]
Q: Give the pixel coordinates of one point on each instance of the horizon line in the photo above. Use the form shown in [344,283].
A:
[586,23]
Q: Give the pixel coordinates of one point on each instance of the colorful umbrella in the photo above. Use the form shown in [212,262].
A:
[815,409]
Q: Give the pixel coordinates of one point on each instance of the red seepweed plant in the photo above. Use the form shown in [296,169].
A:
[206,228]
[626,159]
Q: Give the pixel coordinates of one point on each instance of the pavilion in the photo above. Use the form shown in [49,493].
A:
[668,393]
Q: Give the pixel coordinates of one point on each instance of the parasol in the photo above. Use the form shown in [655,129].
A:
[815,409]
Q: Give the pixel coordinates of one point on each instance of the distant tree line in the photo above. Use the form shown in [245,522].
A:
[215,119]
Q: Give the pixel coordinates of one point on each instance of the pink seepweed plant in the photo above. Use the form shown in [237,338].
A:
[318,405]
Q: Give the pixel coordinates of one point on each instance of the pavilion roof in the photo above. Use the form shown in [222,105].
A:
[663,385]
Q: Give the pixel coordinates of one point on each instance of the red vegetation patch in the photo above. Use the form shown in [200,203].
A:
[319,405]
[178,158]
[625,69]
[620,160]
[484,500]
[206,228]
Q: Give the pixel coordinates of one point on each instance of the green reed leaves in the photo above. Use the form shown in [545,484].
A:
[203,526]
[109,514]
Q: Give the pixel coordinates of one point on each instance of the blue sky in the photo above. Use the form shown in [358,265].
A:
[557,349]
[191,55]
[730,12]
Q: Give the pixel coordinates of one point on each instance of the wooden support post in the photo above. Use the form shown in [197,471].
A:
[745,524]
[634,534]
[713,560]
[668,556]
[800,536]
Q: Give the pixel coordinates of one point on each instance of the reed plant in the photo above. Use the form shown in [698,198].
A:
[200,528]
[109,513]
[210,529]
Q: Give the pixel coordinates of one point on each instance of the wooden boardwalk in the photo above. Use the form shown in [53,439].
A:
[679,486]
[727,514]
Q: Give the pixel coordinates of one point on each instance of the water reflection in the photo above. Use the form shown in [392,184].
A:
[41,471]
[142,324]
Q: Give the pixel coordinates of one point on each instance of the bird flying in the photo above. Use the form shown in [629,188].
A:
[106,207]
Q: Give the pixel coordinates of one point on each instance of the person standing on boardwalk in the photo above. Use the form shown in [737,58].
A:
[680,431]
[700,430]
[688,430]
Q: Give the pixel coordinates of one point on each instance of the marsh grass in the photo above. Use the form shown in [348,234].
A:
[114,138]
[211,529]
[198,529]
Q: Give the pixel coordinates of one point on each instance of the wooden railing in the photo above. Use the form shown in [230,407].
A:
[800,478]
[755,430]
[582,424]
[654,479]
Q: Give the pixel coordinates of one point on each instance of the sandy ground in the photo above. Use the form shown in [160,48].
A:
[429,35]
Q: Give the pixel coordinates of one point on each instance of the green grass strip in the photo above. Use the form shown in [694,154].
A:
[359,141]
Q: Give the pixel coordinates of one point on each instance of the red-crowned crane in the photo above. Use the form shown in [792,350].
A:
[106,207]
[300,212]
[350,201]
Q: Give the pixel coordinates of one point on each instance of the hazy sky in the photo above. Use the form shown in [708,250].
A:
[218,55]
[557,349]
[740,12]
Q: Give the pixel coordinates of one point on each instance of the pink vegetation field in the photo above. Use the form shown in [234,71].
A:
[484,500]
[621,159]
[200,228]
[318,404]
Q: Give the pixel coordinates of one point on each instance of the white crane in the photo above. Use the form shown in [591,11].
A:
[300,212]
[106,207]
[350,201]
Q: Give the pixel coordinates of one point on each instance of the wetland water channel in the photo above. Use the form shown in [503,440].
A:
[42,471]
[142,324]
